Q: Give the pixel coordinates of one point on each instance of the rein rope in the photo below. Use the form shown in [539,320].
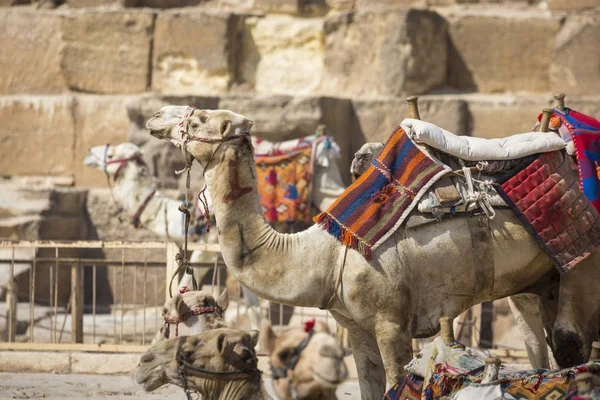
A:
[182,260]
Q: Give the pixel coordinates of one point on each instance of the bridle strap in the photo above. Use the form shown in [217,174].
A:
[186,316]
[135,221]
[281,372]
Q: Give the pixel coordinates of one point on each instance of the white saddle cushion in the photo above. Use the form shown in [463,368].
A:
[478,149]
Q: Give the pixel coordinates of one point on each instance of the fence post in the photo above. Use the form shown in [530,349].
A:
[12,294]
[76,304]
[172,250]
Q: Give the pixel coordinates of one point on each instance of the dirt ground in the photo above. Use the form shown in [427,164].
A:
[55,386]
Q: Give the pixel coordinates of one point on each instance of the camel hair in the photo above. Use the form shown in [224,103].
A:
[525,307]
[419,274]
[307,363]
[219,364]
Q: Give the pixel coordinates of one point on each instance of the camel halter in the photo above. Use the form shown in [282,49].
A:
[184,368]
[184,317]
[183,261]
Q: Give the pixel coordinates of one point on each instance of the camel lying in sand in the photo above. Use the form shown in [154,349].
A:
[306,363]
[220,364]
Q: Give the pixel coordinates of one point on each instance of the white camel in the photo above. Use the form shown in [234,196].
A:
[419,274]
[525,307]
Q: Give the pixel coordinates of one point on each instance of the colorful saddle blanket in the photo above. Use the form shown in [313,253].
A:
[584,131]
[374,206]
[545,195]
[284,184]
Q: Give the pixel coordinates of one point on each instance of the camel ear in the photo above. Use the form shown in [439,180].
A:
[222,343]
[223,300]
[225,127]
[180,305]
[267,336]
[321,327]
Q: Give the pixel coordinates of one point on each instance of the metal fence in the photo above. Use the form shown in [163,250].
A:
[108,295]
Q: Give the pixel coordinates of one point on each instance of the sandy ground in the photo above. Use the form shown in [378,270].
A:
[55,386]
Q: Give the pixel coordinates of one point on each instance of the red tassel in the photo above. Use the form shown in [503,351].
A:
[272,178]
[273,214]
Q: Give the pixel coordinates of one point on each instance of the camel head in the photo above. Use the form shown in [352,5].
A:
[182,124]
[217,350]
[193,312]
[363,157]
[320,366]
[109,158]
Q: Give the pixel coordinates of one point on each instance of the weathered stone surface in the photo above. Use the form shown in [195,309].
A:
[14,361]
[572,4]
[99,120]
[29,64]
[277,118]
[107,51]
[279,6]
[96,3]
[384,52]
[374,4]
[513,53]
[103,364]
[377,118]
[575,66]
[37,135]
[282,54]
[194,51]
[503,115]
[164,3]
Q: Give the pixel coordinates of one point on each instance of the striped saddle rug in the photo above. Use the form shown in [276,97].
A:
[374,206]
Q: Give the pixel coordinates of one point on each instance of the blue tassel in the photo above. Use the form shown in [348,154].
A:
[292,192]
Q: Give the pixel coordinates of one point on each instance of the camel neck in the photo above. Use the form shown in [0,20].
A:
[284,268]
[251,389]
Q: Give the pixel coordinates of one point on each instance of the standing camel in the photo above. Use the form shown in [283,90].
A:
[419,274]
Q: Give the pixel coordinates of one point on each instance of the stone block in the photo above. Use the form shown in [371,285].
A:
[340,5]
[575,65]
[37,135]
[103,363]
[278,118]
[503,115]
[107,51]
[164,3]
[100,120]
[96,3]
[30,361]
[282,54]
[377,119]
[195,51]
[572,4]
[279,6]
[30,41]
[374,4]
[513,50]
[384,52]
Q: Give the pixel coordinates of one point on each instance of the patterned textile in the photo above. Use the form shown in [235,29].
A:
[546,196]
[409,388]
[374,206]
[585,133]
[284,184]
[533,384]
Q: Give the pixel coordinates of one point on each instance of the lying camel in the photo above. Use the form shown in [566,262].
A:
[306,363]
[402,291]
[220,364]
[190,313]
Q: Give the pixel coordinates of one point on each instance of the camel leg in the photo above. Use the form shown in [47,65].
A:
[526,310]
[395,345]
[578,313]
[369,366]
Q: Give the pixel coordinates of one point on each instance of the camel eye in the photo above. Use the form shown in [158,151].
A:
[285,355]
[194,125]
[245,355]
[203,119]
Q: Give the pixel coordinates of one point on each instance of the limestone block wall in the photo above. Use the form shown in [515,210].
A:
[80,73]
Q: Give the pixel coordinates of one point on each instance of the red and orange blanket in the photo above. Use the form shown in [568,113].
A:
[374,206]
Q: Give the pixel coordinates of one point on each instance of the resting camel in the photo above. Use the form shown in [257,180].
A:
[192,312]
[419,274]
[220,364]
[525,307]
[306,363]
